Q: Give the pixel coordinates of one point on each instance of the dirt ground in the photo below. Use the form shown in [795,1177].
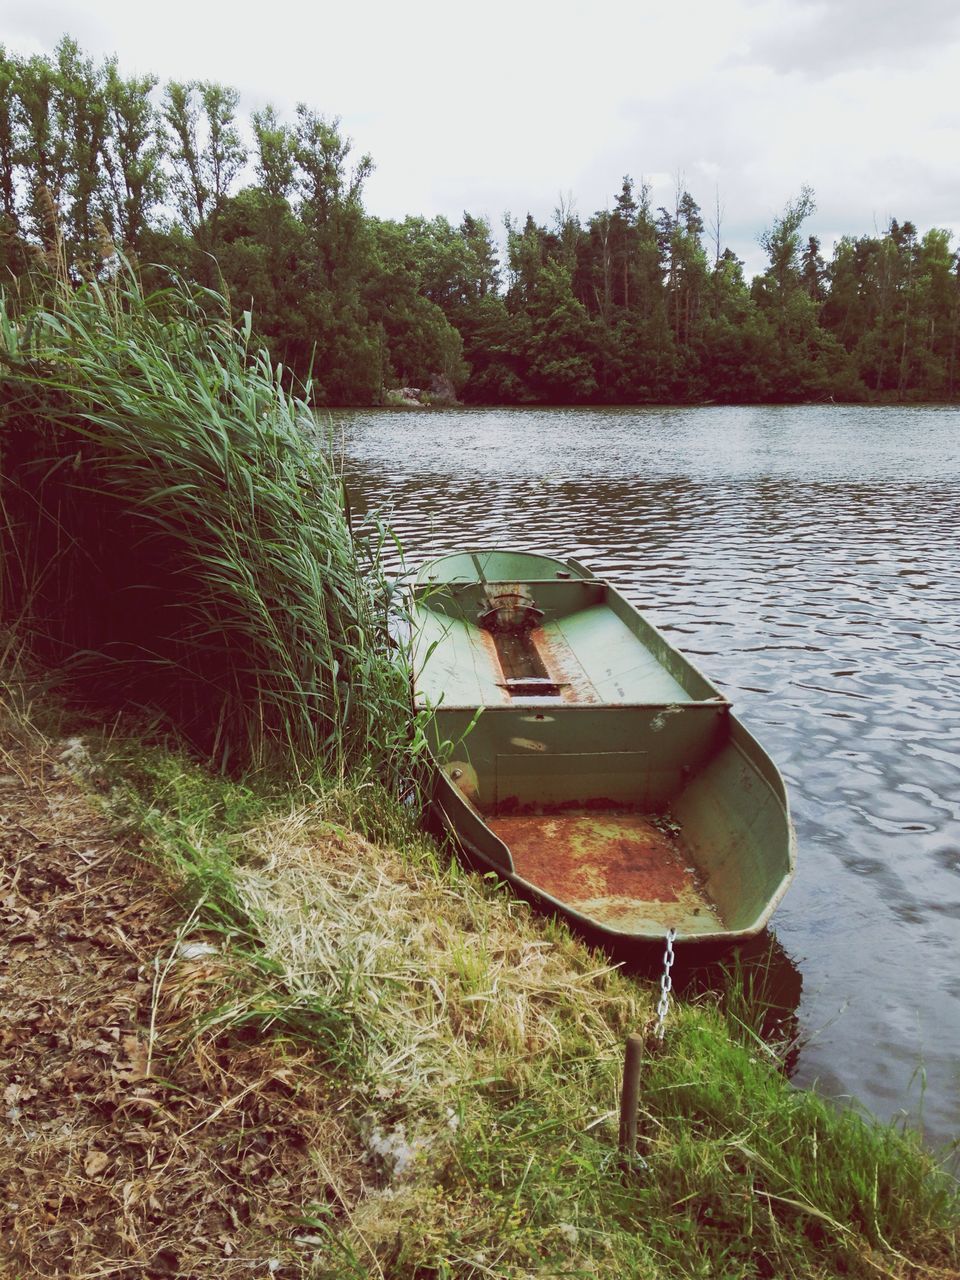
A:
[129,1146]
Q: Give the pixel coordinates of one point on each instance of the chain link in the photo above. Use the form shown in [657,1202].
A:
[666,984]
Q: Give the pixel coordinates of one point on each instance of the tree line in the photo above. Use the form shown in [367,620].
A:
[632,304]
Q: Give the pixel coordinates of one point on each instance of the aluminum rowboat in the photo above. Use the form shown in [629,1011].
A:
[586,761]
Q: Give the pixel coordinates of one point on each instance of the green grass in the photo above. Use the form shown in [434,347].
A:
[173,534]
[485,1043]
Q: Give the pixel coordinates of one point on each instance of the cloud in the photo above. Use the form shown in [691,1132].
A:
[508,106]
[818,39]
[873,143]
[35,27]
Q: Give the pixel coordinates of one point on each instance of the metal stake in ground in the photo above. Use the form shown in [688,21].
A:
[630,1096]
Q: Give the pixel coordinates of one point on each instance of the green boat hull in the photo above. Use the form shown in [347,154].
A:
[586,761]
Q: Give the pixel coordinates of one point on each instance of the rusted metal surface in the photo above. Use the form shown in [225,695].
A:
[528,656]
[535,662]
[564,666]
[510,609]
[464,777]
[519,657]
[513,620]
[615,868]
[486,642]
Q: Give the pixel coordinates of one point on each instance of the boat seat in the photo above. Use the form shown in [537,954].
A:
[463,669]
[618,669]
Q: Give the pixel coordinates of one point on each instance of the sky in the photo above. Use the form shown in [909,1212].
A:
[519,105]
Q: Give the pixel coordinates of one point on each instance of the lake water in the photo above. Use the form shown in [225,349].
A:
[806,558]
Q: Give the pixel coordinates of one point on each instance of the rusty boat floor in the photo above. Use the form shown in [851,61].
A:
[622,870]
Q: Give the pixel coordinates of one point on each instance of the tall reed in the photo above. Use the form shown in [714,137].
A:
[174,537]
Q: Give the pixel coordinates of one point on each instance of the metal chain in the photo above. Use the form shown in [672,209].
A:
[666,984]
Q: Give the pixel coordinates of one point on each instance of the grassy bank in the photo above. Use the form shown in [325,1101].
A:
[473,1050]
[175,548]
[346,1057]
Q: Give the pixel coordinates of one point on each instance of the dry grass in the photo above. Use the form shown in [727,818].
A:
[480,1048]
[133,1147]
[450,985]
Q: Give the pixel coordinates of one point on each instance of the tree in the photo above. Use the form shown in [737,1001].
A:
[938,287]
[526,255]
[345,348]
[781,296]
[206,154]
[9,142]
[82,124]
[43,154]
[455,266]
[421,344]
[781,242]
[624,229]
[567,233]
[276,154]
[494,344]
[561,348]
[330,204]
[132,154]
[276,168]
[846,308]
[484,266]
[262,246]
[813,270]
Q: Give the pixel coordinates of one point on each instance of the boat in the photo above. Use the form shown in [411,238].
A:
[584,760]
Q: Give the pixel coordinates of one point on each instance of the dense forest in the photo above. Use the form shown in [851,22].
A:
[633,304]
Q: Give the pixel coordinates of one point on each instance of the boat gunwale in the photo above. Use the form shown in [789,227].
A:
[718,704]
[581,571]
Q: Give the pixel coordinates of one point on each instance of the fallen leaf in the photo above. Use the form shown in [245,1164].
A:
[15,1093]
[97,1161]
[137,1066]
[76,1071]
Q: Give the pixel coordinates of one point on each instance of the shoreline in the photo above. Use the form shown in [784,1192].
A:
[459,406]
[469,1028]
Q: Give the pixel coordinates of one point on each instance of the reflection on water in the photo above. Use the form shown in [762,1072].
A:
[806,559]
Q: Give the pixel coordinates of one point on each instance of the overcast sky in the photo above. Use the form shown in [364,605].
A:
[513,104]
